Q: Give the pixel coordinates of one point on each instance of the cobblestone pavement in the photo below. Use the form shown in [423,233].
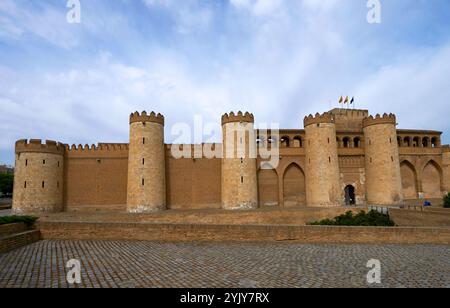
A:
[150,264]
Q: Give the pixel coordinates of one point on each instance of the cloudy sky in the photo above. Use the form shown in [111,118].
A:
[280,59]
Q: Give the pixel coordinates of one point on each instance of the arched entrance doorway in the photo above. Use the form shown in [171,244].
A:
[294,187]
[409,180]
[268,187]
[431,180]
[350,197]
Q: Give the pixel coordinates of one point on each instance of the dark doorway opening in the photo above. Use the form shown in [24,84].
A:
[350,198]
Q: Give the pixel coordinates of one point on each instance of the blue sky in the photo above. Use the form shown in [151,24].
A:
[281,60]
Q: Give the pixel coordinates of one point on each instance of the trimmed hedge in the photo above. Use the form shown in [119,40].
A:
[447,201]
[28,220]
[371,219]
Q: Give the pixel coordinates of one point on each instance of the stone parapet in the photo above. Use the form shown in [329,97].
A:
[239,117]
[38,146]
[326,117]
[144,117]
[380,119]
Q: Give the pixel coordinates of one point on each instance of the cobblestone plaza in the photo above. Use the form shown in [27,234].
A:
[226,265]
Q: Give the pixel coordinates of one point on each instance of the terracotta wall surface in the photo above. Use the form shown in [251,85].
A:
[193,183]
[95,181]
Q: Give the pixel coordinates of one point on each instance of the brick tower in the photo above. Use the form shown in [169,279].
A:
[239,179]
[38,177]
[146,189]
[383,177]
[322,165]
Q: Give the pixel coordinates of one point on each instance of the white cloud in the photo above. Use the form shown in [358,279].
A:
[278,59]
[258,7]
[48,24]
[416,88]
[189,16]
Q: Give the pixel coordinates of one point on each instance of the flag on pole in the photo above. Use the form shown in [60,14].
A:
[346,100]
[352,101]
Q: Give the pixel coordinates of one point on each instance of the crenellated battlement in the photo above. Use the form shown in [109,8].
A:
[239,117]
[102,150]
[350,113]
[99,147]
[144,117]
[380,119]
[38,146]
[318,118]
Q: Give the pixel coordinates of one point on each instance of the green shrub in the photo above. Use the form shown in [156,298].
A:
[447,201]
[6,183]
[28,220]
[373,218]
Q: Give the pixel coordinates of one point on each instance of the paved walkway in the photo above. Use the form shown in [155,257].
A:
[150,264]
[5,212]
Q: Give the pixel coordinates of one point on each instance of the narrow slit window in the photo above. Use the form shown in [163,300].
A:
[143,140]
[25,184]
[26,162]
[43,184]
[242,180]
[43,162]
[143,161]
[143,182]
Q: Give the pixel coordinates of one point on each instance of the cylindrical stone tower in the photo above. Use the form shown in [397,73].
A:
[38,177]
[146,164]
[383,177]
[322,165]
[239,179]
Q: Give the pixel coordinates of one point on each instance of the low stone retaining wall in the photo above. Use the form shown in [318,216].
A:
[12,228]
[426,218]
[17,240]
[242,233]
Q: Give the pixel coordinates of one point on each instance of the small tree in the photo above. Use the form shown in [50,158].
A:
[6,183]
[447,201]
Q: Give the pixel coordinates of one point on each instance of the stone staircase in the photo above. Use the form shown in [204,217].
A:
[14,236]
